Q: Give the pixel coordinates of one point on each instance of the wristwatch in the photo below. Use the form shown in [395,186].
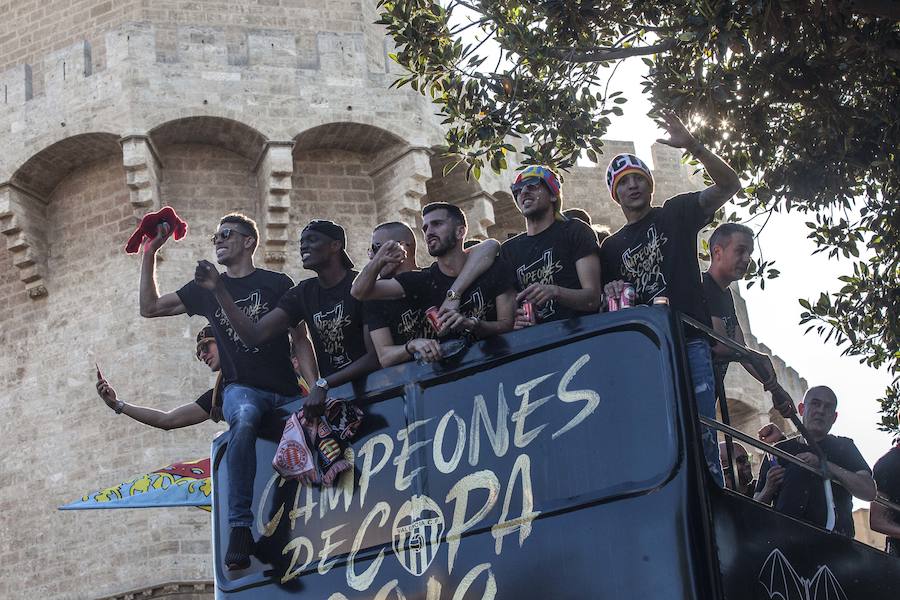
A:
[475,321]
[453,294]
[120,406]
[321,382]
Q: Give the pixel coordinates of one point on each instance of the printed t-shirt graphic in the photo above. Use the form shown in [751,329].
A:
[658,255]
[334,319]
[549,258]
[721,306]
[406,322]
[268,366]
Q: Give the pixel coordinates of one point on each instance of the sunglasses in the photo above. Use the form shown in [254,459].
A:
[521,185]
[225,233]
[376,247]
[203,348]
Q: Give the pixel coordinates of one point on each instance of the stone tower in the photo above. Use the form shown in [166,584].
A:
[109,109]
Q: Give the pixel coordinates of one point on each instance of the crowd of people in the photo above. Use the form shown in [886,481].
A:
[264,331]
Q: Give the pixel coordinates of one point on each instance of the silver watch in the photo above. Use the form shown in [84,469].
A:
[120,406]
[321,382]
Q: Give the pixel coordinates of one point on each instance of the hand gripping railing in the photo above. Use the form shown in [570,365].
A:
[746,354]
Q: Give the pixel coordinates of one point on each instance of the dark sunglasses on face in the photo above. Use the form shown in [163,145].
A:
[376,247]
[521,185]
[224,234]
[203,348]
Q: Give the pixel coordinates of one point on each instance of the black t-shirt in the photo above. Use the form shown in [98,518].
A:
[428,287]
[205,401]
[406,321]
[721,305]
[549,258]
[334,319]
[887,477]
[266,367]
[658,255]
[802,494]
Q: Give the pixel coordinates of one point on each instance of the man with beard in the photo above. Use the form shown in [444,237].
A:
[334,318]
[400,330]
[556,260]
[656,252]
[730,248]
[744,480]
[800,493]
[256,379]
[485,308]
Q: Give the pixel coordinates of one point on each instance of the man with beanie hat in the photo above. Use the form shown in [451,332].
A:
[185,415]
[256,379]
[656,252]
[556,259]
[334,318]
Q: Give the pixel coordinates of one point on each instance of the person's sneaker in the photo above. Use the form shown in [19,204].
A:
[240,543]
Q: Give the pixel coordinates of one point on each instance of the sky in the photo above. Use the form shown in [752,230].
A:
[774,312]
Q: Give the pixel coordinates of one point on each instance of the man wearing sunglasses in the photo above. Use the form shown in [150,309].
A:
[485,308]
[343,347]
[556,259]
[256,379]
[400,329]
[656,252]
[185,415]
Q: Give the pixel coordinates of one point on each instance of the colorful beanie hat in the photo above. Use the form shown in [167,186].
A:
[622,165]
[549,178]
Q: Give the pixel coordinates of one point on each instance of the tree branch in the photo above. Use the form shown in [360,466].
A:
[604,54]
[888,9]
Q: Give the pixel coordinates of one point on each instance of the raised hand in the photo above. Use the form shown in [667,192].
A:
[770,433]
[162,234]
[679,136]
[390,253]
[206,275]
[106,392]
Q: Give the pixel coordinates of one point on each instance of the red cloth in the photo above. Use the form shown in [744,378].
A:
[149,223]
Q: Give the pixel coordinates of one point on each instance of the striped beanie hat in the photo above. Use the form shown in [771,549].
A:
[550,179]
[622,165]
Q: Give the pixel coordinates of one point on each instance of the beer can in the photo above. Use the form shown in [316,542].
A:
[612,303]
[432,315]
[661,300]
[528,310]
[628,296]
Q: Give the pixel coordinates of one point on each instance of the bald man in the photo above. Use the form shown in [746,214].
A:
[797,492]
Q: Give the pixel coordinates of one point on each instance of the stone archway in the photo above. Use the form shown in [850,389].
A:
[24,199]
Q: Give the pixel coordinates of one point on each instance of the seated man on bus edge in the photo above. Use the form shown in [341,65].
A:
[798,493]
[334,318]
[556,259]
[887,476]
[656,252]
[256,380]
[207,406]
[730,248]
[400,330]
[485,308]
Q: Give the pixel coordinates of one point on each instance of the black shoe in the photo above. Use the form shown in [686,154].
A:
[240,543]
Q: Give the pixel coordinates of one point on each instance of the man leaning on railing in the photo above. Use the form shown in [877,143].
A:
[799,493]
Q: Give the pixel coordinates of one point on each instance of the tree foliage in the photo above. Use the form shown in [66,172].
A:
[800,97]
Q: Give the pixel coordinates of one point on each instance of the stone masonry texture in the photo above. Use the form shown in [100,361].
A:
[111,108]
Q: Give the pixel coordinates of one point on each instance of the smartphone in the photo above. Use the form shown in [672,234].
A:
[99,375]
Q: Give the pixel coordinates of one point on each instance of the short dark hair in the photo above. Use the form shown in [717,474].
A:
[722,235]
[454,211]
[396,226]
[578,213]
[242,219]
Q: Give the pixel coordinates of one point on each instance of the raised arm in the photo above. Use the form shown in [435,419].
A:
[367,286]
[725,181]
[480,258]
[182,416]
[275,322]
[151,303]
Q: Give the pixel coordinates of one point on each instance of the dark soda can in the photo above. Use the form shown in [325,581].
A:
[628,296]
[432,315]
[528,310]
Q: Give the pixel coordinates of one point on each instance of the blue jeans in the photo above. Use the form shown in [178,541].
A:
[245,408]
[704,381]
